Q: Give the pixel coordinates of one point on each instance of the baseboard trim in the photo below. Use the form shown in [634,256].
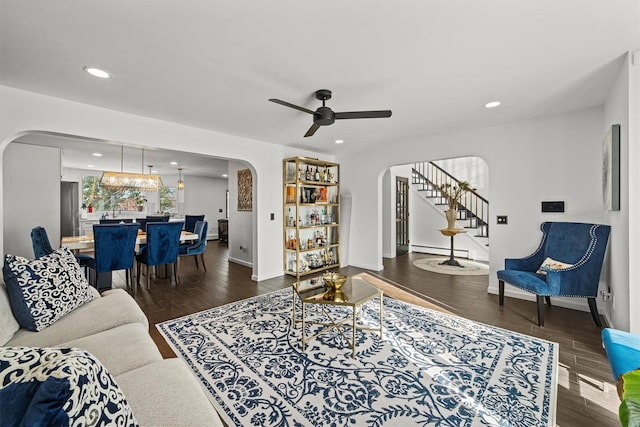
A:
[241,262]
[568,302]
[378,267]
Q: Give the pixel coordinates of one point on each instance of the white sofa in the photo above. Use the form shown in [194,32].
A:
[160,392]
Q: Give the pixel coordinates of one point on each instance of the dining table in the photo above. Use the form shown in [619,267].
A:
[86,242]
[78,243]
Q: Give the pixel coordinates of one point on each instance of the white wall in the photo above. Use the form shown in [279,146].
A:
[31,196]
[550,158]
[240,222]
[23,112]
[633,182]
[203,195]
[471,169]
[622,304]
[388,216]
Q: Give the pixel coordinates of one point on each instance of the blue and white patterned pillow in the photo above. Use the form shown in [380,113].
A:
[41,291]
[59,386]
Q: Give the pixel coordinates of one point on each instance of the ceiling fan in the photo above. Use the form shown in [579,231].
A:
[325,116]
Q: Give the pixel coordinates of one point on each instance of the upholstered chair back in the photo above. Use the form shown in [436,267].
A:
[40,242]
[190,222]
[163,240]
[114,246]
[581,244]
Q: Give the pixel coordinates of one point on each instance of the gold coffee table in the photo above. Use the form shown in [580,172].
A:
[354,293]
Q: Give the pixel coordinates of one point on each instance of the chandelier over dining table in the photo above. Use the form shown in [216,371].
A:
[131,181]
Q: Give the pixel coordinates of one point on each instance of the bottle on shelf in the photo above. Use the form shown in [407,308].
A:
[289,219]
[316,176]
[308,175]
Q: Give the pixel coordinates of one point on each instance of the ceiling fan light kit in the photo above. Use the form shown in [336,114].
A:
[325,116]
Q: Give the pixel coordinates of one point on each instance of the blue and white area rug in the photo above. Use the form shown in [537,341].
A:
[430,368]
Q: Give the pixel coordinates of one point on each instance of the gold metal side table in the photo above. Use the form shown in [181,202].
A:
[354,293]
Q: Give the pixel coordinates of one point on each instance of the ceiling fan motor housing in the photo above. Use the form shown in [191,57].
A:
[324,116]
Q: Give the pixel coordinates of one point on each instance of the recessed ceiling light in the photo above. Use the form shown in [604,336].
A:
[339,141]
[492,104]
[97,154]
[90,166]
[173,163]
[154,171]
[97,72]
[224,175]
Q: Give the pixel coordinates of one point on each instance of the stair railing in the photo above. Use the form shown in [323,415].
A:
[429,177]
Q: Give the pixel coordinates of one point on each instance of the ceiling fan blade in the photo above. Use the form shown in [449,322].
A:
[314,127]
[363,114]
[286,104]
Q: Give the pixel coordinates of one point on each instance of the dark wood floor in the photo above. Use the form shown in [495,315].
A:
[586,392]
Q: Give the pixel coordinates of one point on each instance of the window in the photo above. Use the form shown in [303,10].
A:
[168,200]
[110,199]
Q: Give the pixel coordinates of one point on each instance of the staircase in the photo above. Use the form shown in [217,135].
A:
[473,211]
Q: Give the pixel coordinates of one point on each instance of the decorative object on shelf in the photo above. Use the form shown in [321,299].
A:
[453,194]
[245,190]
[180,185]
[130,181]
[611,169]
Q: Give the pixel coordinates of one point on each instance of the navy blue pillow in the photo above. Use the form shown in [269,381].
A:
[35,403]
[43,290]
[58,386]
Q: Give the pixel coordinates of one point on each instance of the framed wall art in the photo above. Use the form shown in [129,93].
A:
[611,169]
[245,190]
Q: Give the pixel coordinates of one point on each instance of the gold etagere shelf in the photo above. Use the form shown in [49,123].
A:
[311,215]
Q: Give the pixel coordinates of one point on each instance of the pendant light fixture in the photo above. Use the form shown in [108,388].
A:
[130,181]
[180,180]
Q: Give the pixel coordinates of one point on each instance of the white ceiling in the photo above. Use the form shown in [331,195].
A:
[214,64]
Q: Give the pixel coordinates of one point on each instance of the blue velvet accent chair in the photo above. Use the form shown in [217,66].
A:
[42,246]
[163,241]
[115,247]
[190,222]
[582,246]
[199,246]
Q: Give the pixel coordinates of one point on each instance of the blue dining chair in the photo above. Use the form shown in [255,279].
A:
[199,246]
[116,220]
[163,240]
[567,263]
[157,218]
[143,223]
[190,222]
[115,246]
[42,246]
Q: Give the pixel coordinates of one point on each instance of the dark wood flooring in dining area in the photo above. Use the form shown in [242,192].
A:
[586,394]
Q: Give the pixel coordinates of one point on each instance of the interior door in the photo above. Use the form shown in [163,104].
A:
[402,215]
